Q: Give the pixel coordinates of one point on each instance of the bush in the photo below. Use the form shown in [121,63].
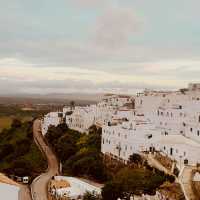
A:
[22,147]
[136,159]
[112,190]
[16,123]
[5,150]
[19,154]
[132,181]
[91,196]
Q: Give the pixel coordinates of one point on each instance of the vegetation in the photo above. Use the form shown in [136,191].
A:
[81,156]
[91,196]
[137,181]
[79,153]
[19,154]
[10,112]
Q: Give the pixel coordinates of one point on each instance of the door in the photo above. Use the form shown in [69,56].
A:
[171,151]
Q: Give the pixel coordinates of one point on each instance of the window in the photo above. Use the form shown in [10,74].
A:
[191,129]
[198,132]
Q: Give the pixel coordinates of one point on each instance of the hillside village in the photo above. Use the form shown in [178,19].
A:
[168,122]
[163,122]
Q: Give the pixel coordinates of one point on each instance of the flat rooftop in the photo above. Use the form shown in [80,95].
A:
[177,139]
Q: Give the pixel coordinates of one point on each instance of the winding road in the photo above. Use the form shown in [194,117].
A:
[39,185]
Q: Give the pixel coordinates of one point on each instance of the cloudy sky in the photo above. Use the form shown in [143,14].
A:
[98,45]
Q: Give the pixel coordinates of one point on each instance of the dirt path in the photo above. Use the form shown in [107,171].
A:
[186,182]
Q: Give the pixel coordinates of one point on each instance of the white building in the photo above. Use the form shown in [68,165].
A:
[134,124]
[179,148]
[82,118]
[9,192]
[125,138]
[52,118]
[171,125]
[76,189]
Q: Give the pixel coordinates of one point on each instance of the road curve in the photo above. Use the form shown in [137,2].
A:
[24,193]
[39,185]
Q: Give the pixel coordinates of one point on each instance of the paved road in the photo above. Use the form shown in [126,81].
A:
[39,185]
[24,193]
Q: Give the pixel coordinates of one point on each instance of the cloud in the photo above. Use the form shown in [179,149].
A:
[90,3]
[115,27]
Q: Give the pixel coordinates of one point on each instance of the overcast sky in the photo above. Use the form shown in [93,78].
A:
[98,45]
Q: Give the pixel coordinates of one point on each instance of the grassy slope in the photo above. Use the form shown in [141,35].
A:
[8,113]
[33,157]
[5,122]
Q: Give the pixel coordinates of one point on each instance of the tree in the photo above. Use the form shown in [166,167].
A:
[135,158]
[65,147]
[130,181]
[21,168]
[5,150]
[112,190]
[53,135]
[16,123]
[91,196]
[22,147]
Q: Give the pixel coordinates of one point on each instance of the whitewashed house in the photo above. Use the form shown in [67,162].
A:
[9,192]
[172,126]
[76,189]
[82,118]
[122,139]
[52,118]
[168,121]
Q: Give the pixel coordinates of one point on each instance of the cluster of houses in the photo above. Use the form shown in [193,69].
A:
[163,121]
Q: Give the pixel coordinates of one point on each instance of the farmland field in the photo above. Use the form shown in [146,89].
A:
[5,122]
[10,112]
